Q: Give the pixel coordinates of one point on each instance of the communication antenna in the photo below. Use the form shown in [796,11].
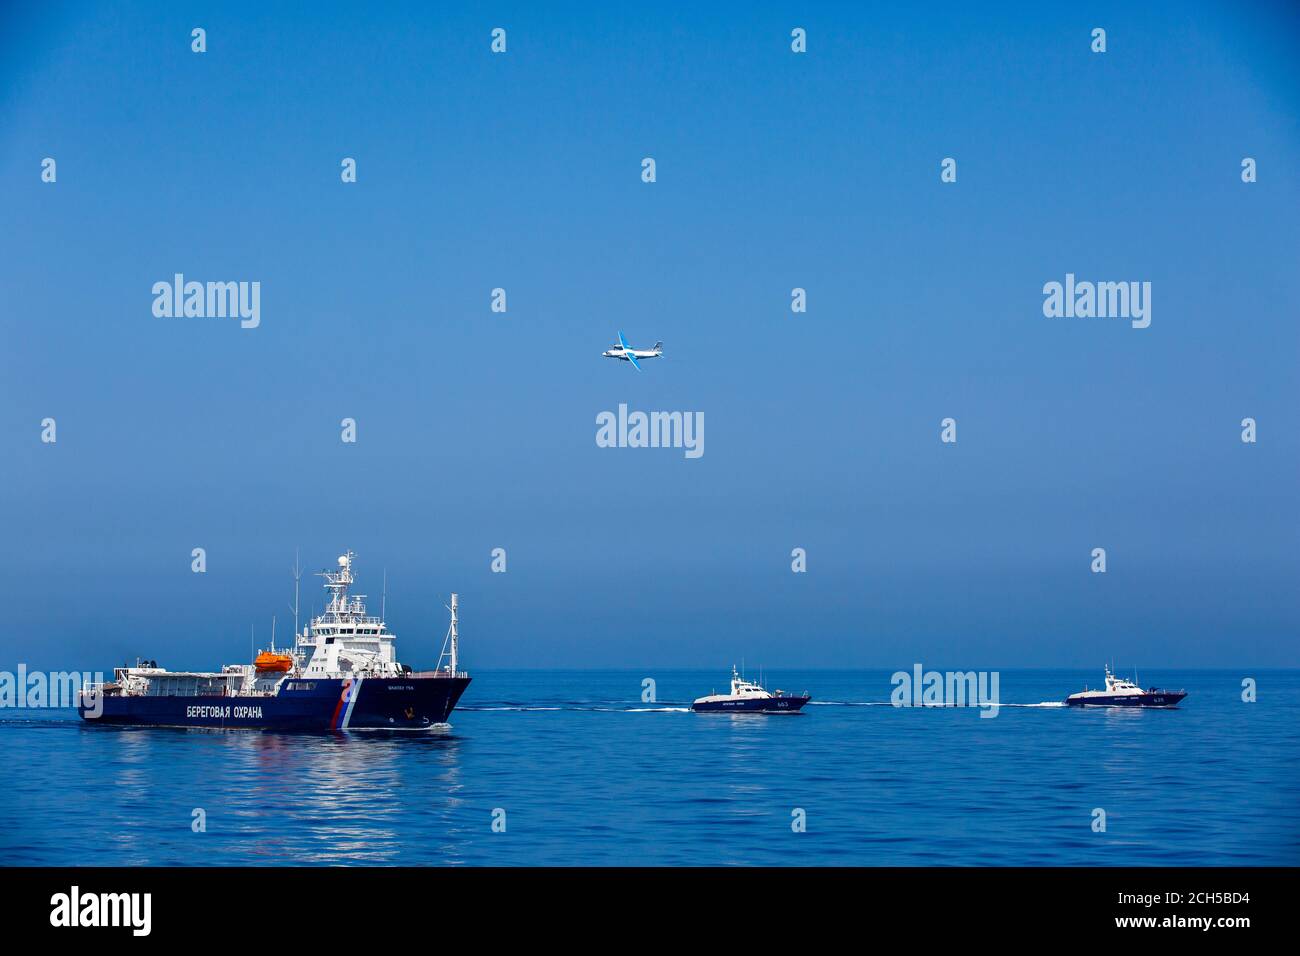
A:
[451,644]
[383,601]
[455,636]
[297,576]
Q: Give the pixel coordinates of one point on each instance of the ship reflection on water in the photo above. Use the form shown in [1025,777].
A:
[288,799]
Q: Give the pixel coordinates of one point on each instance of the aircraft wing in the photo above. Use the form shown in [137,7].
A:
[631,357]
[622,343]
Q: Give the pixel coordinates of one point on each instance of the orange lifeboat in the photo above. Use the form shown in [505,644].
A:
[266,661]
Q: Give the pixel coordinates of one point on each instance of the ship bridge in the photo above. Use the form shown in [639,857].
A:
[345,639]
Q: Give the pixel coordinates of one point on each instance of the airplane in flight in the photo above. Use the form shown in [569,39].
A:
[627,354]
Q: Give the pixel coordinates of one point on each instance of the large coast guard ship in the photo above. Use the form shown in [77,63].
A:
[341,673]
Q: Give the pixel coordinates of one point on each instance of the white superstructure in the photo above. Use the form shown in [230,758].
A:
[1115,687]
[741,689]
[344,641]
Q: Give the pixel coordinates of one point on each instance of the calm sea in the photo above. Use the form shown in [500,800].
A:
[587,773]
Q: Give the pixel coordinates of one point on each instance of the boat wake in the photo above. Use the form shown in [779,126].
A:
[519,707]
[615,707]
[1044,703]
[658,710]
[849,703]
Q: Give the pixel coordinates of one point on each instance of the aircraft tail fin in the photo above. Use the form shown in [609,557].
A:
[659,347]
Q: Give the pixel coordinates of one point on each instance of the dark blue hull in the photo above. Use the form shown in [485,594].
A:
[1154,698]
[770,705]
[370,703]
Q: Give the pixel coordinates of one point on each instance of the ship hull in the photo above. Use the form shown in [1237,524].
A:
[759,705]
[370,703]
[1160,698]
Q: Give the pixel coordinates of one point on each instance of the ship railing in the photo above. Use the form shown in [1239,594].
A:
[346,617]
[438,673]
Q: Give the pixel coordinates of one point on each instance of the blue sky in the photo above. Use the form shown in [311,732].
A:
[775,170]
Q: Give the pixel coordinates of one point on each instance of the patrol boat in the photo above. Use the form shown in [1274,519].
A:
[749,697]
[1125,693]
[341,673]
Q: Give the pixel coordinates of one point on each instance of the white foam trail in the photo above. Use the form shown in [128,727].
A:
[1045,703]
[849,703]
[510,708]
[687,710]
[886,703]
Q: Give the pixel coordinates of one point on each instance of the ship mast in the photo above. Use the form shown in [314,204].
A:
[297,576]
[336,582]
[455,638]
[451,643]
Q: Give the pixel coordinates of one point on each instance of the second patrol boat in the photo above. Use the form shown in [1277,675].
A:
[749,697]
[1125,693]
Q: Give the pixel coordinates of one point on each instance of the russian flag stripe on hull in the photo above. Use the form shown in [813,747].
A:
[352,692]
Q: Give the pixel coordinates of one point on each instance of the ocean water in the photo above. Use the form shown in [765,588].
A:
[588,774]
